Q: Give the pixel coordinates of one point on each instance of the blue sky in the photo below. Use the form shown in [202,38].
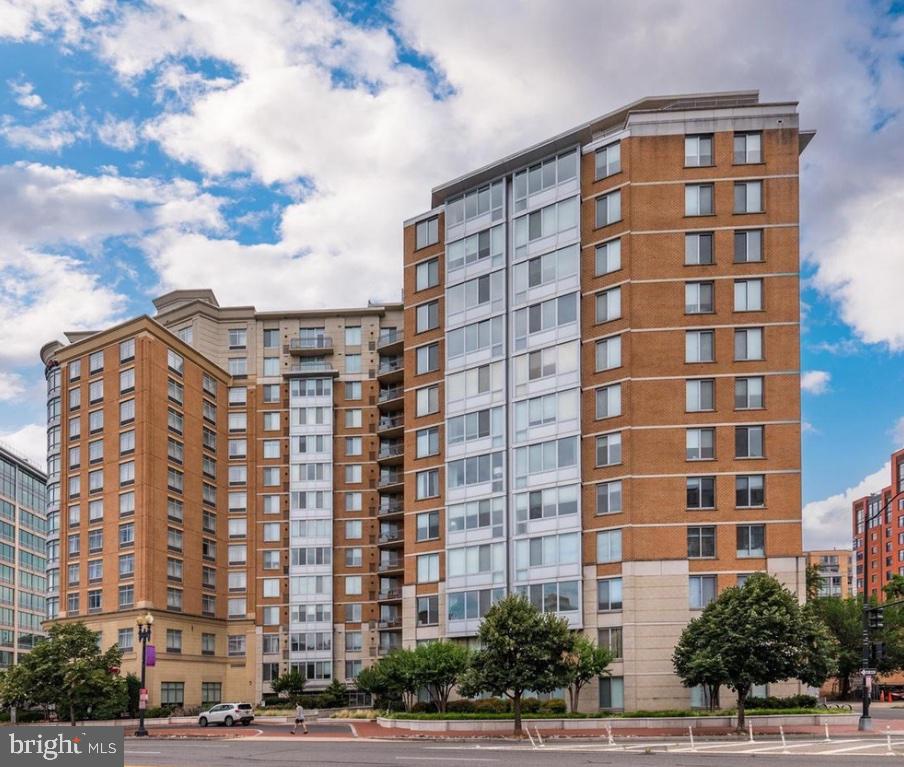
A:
[270,150]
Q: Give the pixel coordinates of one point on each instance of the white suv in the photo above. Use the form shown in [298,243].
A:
[227,714]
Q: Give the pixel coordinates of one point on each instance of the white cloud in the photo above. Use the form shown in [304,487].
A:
[815,381]
[30,442]
[11,386]
[827,523]
[29,19]
[897,433]
[119,134]
[52,134]
[25,95]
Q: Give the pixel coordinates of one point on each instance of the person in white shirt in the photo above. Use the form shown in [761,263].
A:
[299,719]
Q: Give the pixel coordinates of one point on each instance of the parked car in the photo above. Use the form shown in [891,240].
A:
[227,714]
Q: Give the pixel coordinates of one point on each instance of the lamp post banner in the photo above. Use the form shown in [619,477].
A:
[150,655]
[63,746]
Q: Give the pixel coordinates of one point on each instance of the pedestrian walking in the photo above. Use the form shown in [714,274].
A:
[299,720]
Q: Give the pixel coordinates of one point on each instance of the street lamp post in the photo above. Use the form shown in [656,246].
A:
[866,723]
[144,634]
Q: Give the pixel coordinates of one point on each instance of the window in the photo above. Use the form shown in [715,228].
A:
[353,418]
[698,249]
[608,353]
[608,257]
[427,359]
[125,640]
[236,645]
[748,197]
[475,515]
[353,390]
[353,473]
[427,317]
[173,599]
[549,220]
[608,305]
[174,421]
[609,497]
[609,594]
[173,640]
[607,161]
[475,337]
[749,393]
[173,539]
[475,470]
[427,484]
[701,492]
[748,295]
[608,209]
[126,565]
[427,400]
[699,395]
[238,395]
[698,151]
[353,501]
[750,491]
[271,448]
[427,526]
[126,534]
[75,399]
[427,442]
[609,401]
[353,529]
[701,591]
[352,363]
[237,366]
[353,335]
[174,361]
[173,569]
[699,346]
[428,568]
[701,542]
[271,338]
[608,450]
[126,381]
[354,557]
[748,246]
[271,393]
[700,444]
[609,546]
[751,541]
[95,362]
[698,200]
[750,441]
[488,244]
[428,611]
[611,639]
[96,419]
[427,232]
[426,274]
[95,540]
[698,298]
[173,693]
[271,366]
[353,585]
[271,421]
[748,148]
[238,338]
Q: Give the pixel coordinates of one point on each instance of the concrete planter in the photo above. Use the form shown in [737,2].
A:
[616,723]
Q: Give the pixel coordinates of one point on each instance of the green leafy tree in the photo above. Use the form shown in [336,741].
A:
[440,666]
[844,620]
[393,677]
[290,684]
[68,670]
[586,661]
[336,695]
[521,649]
[696,657]
[14,692]
[894,589]
[814,581]
[765,637]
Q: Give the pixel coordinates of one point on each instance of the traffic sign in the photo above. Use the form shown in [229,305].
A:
[868,672]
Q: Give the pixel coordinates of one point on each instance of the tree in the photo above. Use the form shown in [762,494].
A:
[14,691]
[697,660]
[813,577]
[393,676]
[68,670]
[133,692]
[440,666]
[586,661]
[521,649]
[894,589]
[765,637]
[336,695]
[291,684]
[844,620]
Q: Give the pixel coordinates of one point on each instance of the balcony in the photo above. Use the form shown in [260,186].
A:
[391,452]
[390,507]
[387,647]
[392,564]
[303,346]
[391,426]
[311,368]
[390,480]
[390,623]
[391,369]
[390,341]
[391,535]
[390,595]
[392,398]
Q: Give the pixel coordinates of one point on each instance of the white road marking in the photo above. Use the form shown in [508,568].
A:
[129,753]
[444,759]
[874,744]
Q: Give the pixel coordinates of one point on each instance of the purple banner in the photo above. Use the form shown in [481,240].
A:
[150,655]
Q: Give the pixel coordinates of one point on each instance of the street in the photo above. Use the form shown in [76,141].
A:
[844,752]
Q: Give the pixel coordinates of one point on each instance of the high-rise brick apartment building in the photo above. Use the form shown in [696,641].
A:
[220,467]
[603,396]
[23,563]
[836,571]
[885,512]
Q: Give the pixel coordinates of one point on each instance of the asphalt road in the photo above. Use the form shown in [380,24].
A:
[374,753]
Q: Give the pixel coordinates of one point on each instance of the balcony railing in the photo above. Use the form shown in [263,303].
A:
[310,343]
[391,450]
[388,337]
[311,367]
[390,365]
[391,594]
[390,506]
[390,623]
[386,565]
[389,394]
[390,536]
[388,478]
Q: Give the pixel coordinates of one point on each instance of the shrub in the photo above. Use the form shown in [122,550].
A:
[492,706]
[422,707]
[463,706]
[553,706]
[793,701]
[530,706]
[157,712]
